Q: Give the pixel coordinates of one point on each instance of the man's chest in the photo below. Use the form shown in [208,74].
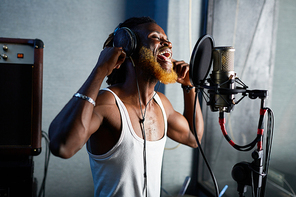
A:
[149,120]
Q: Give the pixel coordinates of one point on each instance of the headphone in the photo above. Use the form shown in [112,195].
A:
[125,38]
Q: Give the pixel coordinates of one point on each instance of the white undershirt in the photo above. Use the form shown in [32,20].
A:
[120,172]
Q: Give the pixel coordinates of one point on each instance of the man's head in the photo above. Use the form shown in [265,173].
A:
[152,55]
[119,75]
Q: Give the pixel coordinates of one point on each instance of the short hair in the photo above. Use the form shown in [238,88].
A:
[119,75]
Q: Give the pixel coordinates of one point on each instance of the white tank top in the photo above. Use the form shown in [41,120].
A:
[120,172]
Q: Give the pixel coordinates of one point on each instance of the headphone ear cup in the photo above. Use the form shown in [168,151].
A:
[125,38]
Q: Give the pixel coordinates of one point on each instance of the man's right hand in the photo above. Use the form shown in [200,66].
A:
[111,58]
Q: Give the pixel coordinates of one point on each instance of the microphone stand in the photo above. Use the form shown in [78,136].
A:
[222,99]
[251,174]
[245,173]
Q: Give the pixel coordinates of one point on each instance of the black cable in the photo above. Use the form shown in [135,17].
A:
[200,148]
[143,128]
[144,135]
[252,184]
[269,138]
[248,147]
[231,142]
[46,163]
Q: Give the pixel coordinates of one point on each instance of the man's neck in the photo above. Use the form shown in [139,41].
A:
[138,88]
[138,84]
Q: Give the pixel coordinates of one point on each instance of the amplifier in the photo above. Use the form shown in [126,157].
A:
[21,70]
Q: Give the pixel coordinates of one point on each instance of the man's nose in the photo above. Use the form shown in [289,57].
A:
[167,43]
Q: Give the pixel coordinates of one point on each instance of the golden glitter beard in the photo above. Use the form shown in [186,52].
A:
[151,66]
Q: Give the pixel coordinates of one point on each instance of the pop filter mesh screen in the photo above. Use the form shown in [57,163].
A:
[201,60]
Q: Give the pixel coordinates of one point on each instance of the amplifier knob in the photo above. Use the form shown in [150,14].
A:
[5,48]
[4,56]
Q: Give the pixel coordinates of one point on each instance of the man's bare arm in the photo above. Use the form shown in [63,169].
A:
[181,127]
[72,127]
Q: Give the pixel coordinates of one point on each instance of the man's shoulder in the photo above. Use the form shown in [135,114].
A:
[105,97]
[165,102]
[163,98]
[105,104]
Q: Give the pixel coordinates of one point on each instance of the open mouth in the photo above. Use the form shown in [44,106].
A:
[165,55]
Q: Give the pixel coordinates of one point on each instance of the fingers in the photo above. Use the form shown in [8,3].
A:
[121,58]
[111,58]
[182,70]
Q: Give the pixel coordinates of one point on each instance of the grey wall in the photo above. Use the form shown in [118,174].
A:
[73,32]
[283,98]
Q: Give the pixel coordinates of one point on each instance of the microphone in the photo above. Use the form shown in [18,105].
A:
[222,79]
[221,85]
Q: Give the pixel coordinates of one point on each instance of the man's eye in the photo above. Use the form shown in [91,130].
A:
[156,37]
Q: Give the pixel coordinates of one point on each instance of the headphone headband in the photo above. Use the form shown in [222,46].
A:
[125,38]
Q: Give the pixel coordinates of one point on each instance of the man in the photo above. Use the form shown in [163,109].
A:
[125,126]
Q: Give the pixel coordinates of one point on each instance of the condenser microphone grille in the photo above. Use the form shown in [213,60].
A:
[227,59]
[223,59]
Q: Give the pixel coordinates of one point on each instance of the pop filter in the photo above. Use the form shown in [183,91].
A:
[201,59]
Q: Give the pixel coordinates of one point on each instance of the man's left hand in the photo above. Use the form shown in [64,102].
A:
[182,70]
